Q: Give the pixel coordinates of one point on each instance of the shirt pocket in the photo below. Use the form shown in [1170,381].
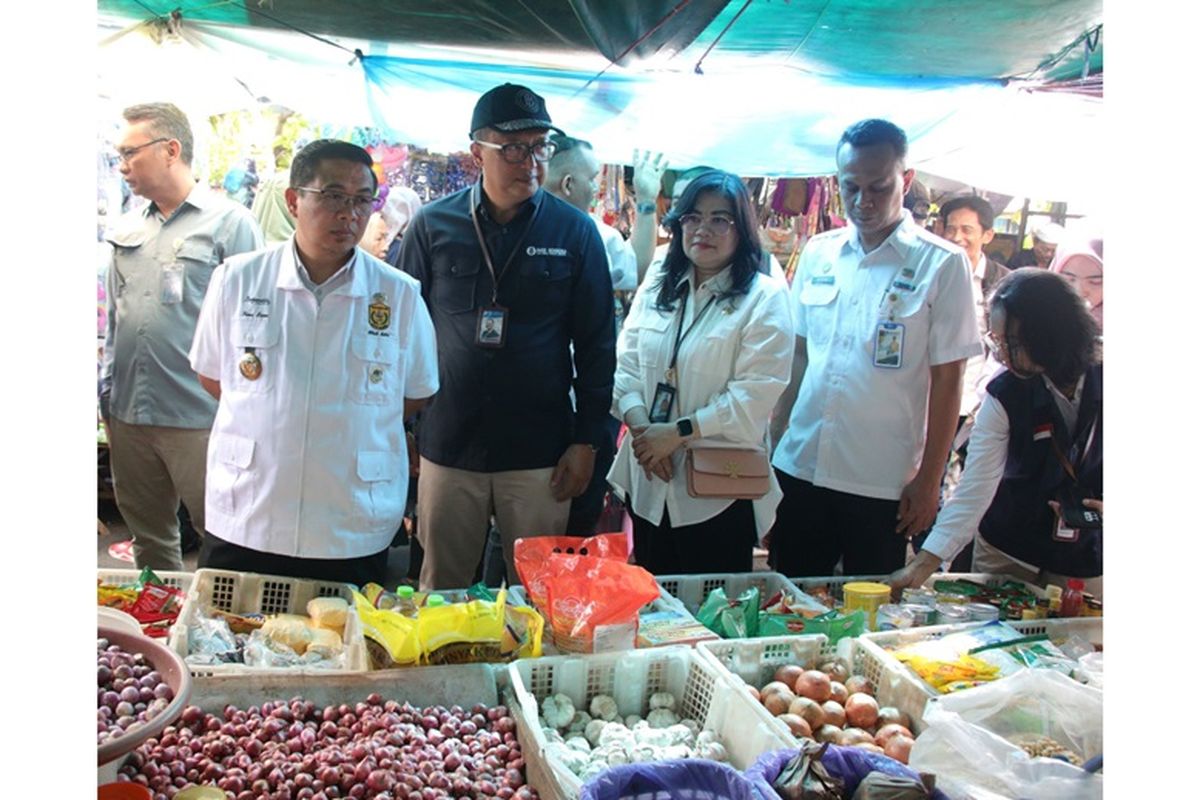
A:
[455,274]
[653,339]
[913,312]
[375,368]
[197,258]
[260,338]
[378,495]
[545,286]
[230,482]
[817,305]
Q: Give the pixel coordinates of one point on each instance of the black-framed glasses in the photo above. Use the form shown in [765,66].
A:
[718,226]
[517,152]
[1001,345]
[333,200]
[126,153]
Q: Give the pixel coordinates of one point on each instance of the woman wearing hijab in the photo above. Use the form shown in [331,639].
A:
[1080,263]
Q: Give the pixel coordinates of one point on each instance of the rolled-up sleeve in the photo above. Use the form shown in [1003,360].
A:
[954,331]
[593,333]
[762,369]
[987,452]
[421,379]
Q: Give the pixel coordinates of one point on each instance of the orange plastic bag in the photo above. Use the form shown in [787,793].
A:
[530,556]
[589,596]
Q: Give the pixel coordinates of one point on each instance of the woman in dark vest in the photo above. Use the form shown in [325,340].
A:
[1038,440]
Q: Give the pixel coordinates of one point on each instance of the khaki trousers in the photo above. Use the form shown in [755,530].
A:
[153,467]
[994,560]
[454,507]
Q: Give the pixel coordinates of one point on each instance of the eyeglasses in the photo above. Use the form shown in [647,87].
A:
[718,226]
[517,152]
[333,200]
[1001,346]
[126,153]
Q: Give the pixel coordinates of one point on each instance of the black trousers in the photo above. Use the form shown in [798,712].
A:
[217,553]
[814,527]
[724,543]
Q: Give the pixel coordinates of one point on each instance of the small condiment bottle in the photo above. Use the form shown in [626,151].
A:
[1054,593]
[404,601]
[1072,598]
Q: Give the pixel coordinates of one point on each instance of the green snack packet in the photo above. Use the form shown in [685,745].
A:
[731,619]
[147,576]
[959,588]
[480,591]
[834,625]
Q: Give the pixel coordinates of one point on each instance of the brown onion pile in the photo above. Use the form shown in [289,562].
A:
[374,749]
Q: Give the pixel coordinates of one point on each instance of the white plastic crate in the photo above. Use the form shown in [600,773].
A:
[754,661]
[178,580]
[836,582]
[704,691]
[249,593]
[913,692]
[693,590]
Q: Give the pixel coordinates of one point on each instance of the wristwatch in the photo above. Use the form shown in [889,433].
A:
[647,208]
[684,426]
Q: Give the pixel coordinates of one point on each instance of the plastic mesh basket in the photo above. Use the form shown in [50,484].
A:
[117,577]
[704,693]
[834,583]
[692,590]
[248,593]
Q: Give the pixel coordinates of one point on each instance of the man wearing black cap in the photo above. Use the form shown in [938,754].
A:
[514,277]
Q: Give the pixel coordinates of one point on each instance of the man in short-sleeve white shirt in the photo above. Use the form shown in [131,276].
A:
[885,322]
[317,353]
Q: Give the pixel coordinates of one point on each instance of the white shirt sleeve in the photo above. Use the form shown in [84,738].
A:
[954,331]
[987,452]
[627,381]
[622,263]
[206,353]
[761,372]
[421,379]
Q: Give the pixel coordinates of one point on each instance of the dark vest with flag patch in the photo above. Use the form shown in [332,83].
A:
[1020,522]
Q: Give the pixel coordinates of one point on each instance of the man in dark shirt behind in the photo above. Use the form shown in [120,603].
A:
[501,436]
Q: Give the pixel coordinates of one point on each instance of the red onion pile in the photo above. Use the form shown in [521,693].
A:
[129,693]
[374,749]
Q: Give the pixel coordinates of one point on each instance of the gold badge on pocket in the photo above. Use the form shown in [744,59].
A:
[379,313]
[250,366]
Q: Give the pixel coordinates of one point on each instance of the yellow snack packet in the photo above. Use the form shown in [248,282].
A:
[392,639]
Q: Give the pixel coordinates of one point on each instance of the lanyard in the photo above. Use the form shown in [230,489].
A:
[681,334]
[1066,464]
[487,255]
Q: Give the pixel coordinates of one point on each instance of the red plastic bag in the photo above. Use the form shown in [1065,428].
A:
[588,594]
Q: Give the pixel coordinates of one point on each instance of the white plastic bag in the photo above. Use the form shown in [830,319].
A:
[966,741]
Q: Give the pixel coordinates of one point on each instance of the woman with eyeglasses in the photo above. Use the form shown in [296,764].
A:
[705,353]
[1033,482]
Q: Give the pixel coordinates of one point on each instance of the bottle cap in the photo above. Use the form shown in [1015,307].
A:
[1075,583]
[435,600]
[405,592]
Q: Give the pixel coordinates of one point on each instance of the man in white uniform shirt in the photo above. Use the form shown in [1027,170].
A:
[866,443]
[316,352]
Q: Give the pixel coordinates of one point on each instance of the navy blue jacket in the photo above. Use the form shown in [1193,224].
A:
[510,408]
[1020,521]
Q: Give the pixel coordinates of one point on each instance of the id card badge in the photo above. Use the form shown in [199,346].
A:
[889,345]
[1064,534]
[171,290]
[664,399]
[491,326]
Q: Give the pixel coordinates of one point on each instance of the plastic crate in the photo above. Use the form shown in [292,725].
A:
[692,590]
[754,661]
[836,582]
[914,693]
[459,684]
[249,593]
[178,580]
[705,693]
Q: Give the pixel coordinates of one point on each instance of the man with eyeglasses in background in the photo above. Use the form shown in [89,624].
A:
[317,352]
[502,436]
[158,417]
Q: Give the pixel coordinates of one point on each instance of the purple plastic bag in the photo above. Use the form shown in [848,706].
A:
[851,764]
[668,779]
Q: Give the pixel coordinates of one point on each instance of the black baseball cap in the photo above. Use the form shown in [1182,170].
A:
[509,108]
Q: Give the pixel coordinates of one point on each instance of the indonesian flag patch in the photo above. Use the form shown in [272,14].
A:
[1043,431]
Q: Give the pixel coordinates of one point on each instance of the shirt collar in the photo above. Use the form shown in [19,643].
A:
[198,198]
[297,276]
[905,237]
[980,266]
[717,284]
